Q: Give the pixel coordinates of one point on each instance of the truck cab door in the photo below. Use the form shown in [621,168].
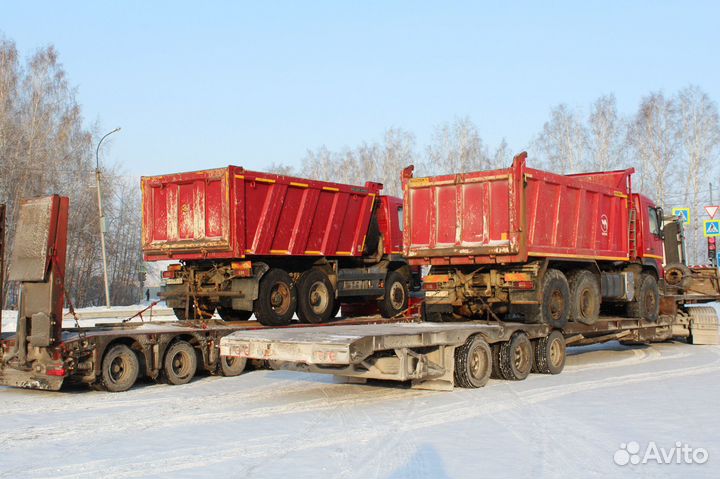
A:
[652,245]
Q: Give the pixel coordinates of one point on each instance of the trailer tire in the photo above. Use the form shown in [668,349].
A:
[180,363]
[316,297]
[647,303]
[516,357]
[679,275]
[584,297]
[554,308]
[120,369]
[277,298]
[232,366]
[230,314]
[550,354]
[395,300]
[473,363]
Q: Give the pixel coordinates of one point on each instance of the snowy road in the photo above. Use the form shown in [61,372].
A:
[285,424]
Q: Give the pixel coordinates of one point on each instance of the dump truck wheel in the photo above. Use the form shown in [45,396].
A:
[120,369]
[232,365]
[180,363]
[647,303]
[396,295]
[473,363]
[584,297]
[230,314]
[516,357]
[316,297]
[555,307]
[550,354]
[277,299]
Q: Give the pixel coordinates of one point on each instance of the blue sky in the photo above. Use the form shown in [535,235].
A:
[203,84]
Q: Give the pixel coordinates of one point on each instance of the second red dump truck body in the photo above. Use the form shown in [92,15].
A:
[513,214]
[235,213]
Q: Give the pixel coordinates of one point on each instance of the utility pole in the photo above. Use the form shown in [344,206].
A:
[102,216]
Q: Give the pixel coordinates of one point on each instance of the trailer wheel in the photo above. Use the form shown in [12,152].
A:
[277,299]
[516,357]
[647,304]
[396,295]
[180,363]
[584,297]
[550,354]
[230,314]
[473,363]
[316,297]
[120,368]
[555,306]
[232,366]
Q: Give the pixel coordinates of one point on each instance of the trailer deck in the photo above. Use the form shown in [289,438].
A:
[426,353]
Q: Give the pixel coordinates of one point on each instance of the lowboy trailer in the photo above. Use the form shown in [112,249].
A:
[440,356]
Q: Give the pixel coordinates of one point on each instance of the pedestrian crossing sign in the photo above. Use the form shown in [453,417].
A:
[711,228]
[683,214]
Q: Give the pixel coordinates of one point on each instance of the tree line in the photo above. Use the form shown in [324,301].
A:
[45,149]
[671,141]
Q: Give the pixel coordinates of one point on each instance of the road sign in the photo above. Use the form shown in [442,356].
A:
[683,213]
[711,210]
[711,228]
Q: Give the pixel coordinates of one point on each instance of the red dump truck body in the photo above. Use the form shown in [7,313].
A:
[234,213]
[512,214]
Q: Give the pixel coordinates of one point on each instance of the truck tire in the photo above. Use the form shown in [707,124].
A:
[120,369]
[554,308]
[180,313]
[180,363]
[473,363]
[316,297]
[584,297]
[496,374]
[232,366]
[206,309]
[647,303]
[230,314]
[678,275]
[550,354]
[277,298]
[395,300]
[516,357]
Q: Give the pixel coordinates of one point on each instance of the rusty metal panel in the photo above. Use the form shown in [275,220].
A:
[231,213]
[30,258]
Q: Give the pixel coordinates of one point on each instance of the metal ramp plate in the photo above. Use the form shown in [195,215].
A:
[344,344]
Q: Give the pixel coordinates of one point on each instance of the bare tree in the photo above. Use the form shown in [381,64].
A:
[456,147]
[563,141]
[606,135]
[655,140]
[699,141]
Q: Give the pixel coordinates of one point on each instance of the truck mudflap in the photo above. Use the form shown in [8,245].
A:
[30,379]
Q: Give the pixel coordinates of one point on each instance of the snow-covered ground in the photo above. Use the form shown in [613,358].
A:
[285,424]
